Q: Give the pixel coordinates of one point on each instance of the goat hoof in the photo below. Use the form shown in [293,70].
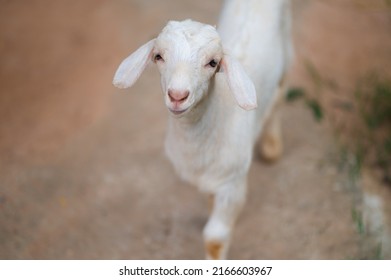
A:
[214,250]
[270,148]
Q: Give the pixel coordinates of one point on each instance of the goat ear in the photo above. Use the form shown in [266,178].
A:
[131,68]
[239,83]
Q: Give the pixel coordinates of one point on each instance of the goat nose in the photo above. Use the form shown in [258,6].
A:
[178,96]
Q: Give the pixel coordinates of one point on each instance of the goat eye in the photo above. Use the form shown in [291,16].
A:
[212,63]
[158,57]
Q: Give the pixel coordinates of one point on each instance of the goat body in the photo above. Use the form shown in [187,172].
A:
[210,138]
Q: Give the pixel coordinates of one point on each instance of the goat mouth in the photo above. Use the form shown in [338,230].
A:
[178,112]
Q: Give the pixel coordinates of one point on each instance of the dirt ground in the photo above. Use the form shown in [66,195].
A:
[82,169]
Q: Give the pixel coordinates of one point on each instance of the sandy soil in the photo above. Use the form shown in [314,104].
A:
[82,169]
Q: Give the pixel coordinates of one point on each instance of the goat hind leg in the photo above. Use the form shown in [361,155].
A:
[270,143]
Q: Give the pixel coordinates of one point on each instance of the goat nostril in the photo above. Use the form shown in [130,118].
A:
[178,96]
[185,95]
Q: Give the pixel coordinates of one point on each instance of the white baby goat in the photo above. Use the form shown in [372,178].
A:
[210,139]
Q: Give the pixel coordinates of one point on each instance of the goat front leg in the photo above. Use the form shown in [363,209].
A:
[227,204]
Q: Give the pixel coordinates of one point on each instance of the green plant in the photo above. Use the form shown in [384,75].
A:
[358,220]
[318,84]
[373,94]
[296,93]
[316,109]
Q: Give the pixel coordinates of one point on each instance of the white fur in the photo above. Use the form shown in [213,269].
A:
[210,137]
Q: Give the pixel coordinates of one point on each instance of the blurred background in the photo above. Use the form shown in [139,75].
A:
[82,169]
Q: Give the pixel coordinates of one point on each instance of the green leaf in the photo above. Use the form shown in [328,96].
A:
[294,94]
[316,109]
